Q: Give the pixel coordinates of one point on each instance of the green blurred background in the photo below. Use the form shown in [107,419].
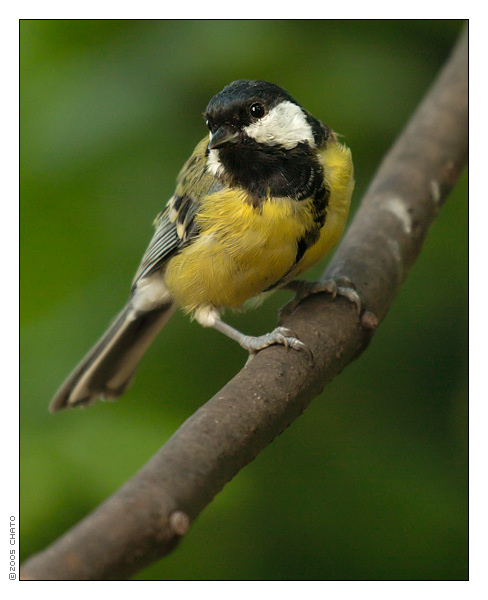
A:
[372,481]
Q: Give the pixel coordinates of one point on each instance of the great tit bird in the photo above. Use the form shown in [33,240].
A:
[264,196]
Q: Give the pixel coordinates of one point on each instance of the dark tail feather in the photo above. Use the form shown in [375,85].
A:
[107,370]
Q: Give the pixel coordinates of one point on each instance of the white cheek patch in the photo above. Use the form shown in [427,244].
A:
[285,125]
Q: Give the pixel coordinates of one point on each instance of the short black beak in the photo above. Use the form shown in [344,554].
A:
[226,134]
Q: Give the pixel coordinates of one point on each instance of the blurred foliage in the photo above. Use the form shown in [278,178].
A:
[371,482]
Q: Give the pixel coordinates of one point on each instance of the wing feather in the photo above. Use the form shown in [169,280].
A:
[175,225]
[163,244]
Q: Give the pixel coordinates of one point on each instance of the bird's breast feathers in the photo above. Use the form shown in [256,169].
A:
[242,249]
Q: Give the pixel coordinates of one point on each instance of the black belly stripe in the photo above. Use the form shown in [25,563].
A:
[320,203]
[304,243]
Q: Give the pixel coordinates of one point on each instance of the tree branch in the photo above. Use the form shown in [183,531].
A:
[146,518]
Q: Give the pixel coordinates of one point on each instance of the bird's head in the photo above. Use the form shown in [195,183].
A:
[260,112]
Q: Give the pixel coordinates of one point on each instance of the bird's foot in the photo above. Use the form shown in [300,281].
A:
[280,335]
[341,286]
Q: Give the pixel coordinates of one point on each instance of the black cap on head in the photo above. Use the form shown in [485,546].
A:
[233,102]
[244,89]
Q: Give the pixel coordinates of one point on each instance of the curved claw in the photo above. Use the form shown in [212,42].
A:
[298,345]
[353,297]
[292,341]
[282,339]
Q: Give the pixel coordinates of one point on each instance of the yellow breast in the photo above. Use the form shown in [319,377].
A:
[242,250]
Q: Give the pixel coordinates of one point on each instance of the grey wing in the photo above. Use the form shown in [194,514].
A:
[175,228]
[163,244]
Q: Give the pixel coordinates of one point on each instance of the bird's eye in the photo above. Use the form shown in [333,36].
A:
[257,110]
[209,124]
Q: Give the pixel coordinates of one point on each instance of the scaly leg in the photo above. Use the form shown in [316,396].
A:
[280,335]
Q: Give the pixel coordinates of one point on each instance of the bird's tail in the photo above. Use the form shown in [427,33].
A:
[108,369]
